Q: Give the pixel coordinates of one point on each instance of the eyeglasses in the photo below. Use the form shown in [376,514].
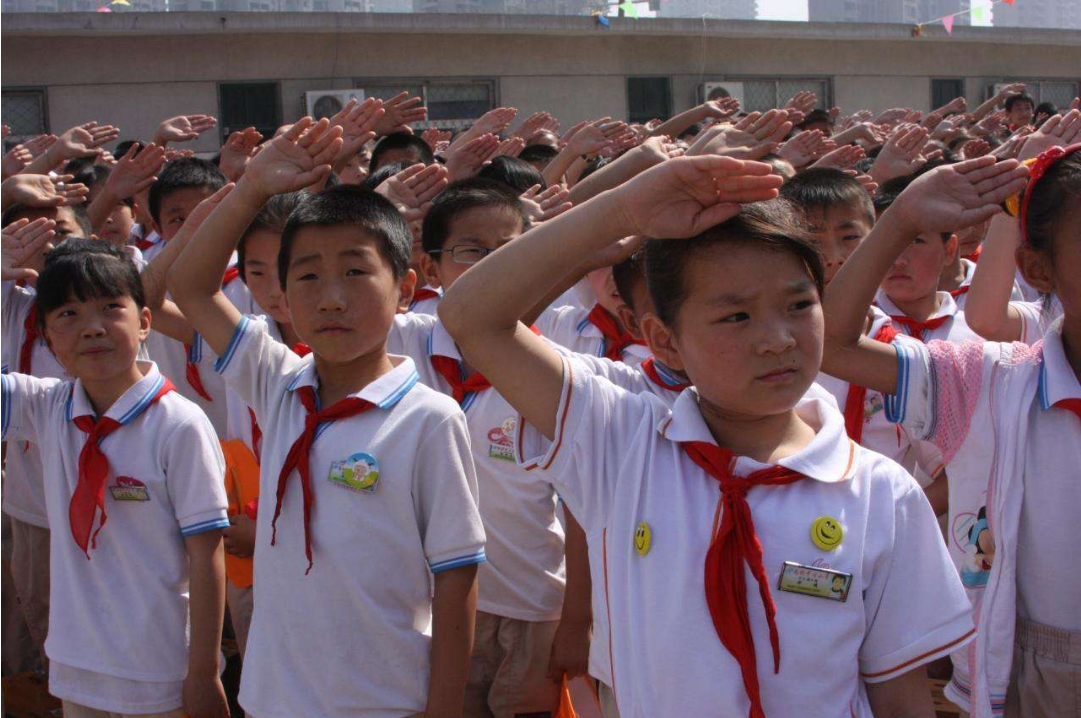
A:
[465,253]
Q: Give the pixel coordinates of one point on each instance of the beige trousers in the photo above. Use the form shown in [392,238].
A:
[74,710]
[508,671]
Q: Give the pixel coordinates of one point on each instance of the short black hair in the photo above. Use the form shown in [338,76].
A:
[83,269]
[350,205]
[821,188]
[78,211]
[1056,193]
[124,146]
[463,196]
[1023,97]
[815,116]
[382,174]
[183,173]
[628,274]
[771,225]
[1045,108]
[400,141]
[538,153]
[513,172]
[272,217]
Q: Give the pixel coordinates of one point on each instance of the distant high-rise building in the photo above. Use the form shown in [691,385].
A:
[1065,14]
[729,9]
[903,11]
[532,7]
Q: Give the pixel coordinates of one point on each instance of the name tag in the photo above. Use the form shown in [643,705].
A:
[814,581]
[129,493]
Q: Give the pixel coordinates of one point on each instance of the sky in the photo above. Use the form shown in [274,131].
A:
[797,10]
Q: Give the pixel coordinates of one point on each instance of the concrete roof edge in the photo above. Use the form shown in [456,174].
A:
[136,23]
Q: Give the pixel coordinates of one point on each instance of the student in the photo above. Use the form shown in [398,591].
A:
[128,449]
[400,147]
[366,476]
[1019,110]
[1004,416]
[70,220]
[514,172]
[526,621]
[538,155]
[741,317]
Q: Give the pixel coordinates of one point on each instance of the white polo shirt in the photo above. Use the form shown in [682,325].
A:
[24,492]
[617,462]
[960,295]
[427,306]
[953,329]
[524,577]
[137,576]
[569,327]
[353,636]
[1037,317]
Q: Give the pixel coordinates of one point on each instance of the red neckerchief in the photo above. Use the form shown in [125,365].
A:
[734,543]
[857,395]
[144,244]
[917,328]
[1073,405]
[650,368]
[975,256]
[301,349]
[451,370]
[615,339]
[424,293]
[89,494]
[31,334]
[300,452]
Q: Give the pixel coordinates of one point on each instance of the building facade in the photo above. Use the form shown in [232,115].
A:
[1065,14]
[903,11]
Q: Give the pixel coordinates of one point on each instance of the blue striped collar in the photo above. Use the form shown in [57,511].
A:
[1057,379]
[666,375]
[131,403]
[384,392]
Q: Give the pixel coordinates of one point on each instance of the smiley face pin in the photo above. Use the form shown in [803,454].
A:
[643,539]
[826,533]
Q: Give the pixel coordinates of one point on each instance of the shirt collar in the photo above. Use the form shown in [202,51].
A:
[829,457]
[1057,379]
[441,343]
[587,328]
[131,403]
[384,392]
[947,307]
[970,270]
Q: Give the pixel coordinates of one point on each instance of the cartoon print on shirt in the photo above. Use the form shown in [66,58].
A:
[501,439]
[972,534]
[872,406]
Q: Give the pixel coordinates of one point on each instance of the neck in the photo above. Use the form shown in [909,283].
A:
[103,393]
[288,334]
[615,316]
[766,439]
[953,276]
[920,309]
[1071,342]
[339,380]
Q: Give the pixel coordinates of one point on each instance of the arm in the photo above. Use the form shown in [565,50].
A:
[292,161]
[454,610]
[183,128]
[988,311]
[720,109]
[906,696]
[678,198]
[650,153]
[1015,89]
[136,171]
[570,647]
[82,141]
[947,198]
[204,696]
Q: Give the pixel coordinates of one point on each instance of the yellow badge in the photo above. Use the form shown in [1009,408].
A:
[826,533]
[643,539]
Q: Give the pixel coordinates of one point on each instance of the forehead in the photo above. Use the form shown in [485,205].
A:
[184,198]
[261,244]
[847,213]
[741,269]
[486,221]
[330,243]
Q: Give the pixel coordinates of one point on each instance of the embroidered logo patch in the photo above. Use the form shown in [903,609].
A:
[501,439]
[129,489]
[360,472]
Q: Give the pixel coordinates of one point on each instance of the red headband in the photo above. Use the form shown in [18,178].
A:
[1045,161]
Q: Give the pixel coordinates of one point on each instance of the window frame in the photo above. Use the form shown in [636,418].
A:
[43,93]
[826,101]
[669,111]
[931,88]
[989,86]
[363,83]
[224,129]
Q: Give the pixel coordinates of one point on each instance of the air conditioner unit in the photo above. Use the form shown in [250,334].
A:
[714,90]
[327,103]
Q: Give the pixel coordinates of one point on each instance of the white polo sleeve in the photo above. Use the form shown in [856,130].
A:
[254,364]
[1035,320]
[409,334]
[445,496]
[194,475]
[16,304]
[619,373]
[596,426]
[916,607]
[26,400]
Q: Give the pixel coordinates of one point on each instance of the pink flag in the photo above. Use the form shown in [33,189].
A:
[947,22]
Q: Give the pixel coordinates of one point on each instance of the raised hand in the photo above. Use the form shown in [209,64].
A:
[542,206]
[495,121]
[465,160]
[687,195]
[1014,88]
[952,197]
[183,128]
[532,125]
[1012,146]
[866,181]
[295,159]
[15,160]
[593,137]
[511,147]
[892,116]
[413,189]
[435,138]
[358,122]
[202,210]
[1057,130]
[901,154]
[803,101]
[237,152]
[721,108]
[136,171]
[991,124]
[975,148]
[399,112]
[842,158]
[20,241]
[38,145]
[805,147]
[44,190]
[751,138]
[83,141]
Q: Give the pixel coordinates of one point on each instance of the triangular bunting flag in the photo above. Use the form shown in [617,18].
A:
[978,14]
[629,9]
[947,22]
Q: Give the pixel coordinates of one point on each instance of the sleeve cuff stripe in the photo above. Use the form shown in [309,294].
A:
[923,657]
[238,334]
[5,413]
[475,558]
[216,523]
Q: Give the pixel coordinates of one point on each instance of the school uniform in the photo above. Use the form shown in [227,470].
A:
[946,324]
[342,621]
[161,483]
[1037,317]
[1005,416]
[590,331]
[960,295]
[522,583]
[426,300]
[624,462]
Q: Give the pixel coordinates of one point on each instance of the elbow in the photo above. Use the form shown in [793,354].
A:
[985,326]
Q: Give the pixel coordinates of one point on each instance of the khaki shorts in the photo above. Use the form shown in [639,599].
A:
[74,710]
[240,602]
[508,671]
[1046,678]
[30,577]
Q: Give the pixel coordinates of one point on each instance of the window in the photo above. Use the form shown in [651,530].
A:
[24,112]
[249,104]
[451,104]
[763,94]
[649,98]
[1059,92]
[942,91]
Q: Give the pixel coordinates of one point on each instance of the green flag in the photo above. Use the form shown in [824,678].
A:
[978,14]
[629,9]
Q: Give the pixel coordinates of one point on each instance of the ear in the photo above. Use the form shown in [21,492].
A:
[429,269]
[1036,268]
[406,287]
[661,341]
[952,245]
[144,324]
[629,321]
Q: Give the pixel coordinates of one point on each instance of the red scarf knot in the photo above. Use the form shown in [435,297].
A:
[615,338]
[917,328]
[451,370]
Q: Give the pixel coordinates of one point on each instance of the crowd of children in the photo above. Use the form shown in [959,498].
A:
[734,414]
